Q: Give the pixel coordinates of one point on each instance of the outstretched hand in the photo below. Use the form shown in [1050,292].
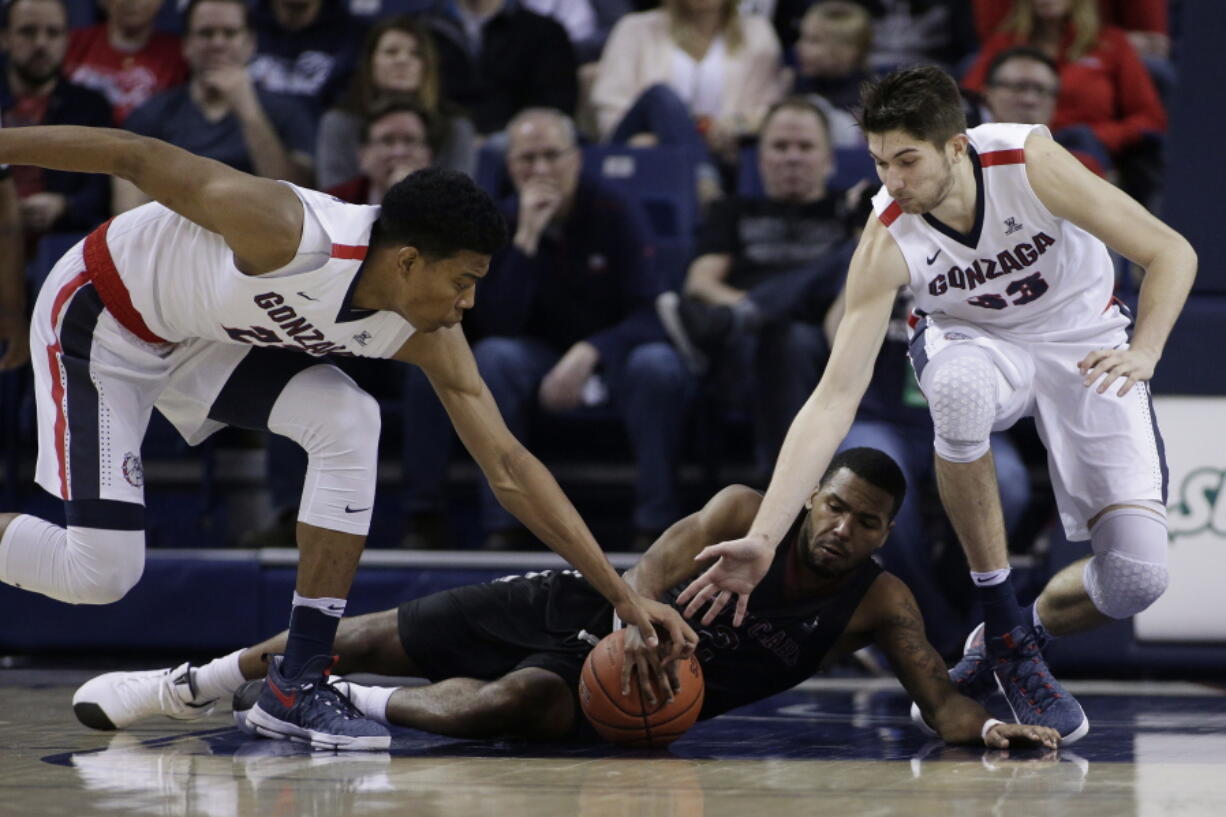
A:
[740,565]
[1005,735]
[654,674]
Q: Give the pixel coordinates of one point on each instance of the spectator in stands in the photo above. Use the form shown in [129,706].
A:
[305,49]
[767,268]
[398,138]
[125,58]
[398,59]
[1022,86]
[693,73]
[1143,21]
[832,52]
[14,323]
[906,32]
[33,92]
[496,58]
[893,417]
[566,314]
[1103,83]
[220,113]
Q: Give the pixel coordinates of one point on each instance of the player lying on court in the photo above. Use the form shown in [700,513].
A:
[214,304]
[504,657]
[1001,236]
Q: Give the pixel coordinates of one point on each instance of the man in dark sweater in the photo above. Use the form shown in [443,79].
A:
[566,316]
[32,92]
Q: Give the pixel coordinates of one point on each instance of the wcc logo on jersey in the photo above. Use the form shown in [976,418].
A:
[1201,506]
[1011,226]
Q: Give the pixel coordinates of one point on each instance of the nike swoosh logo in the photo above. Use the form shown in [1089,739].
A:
[355,510]
[308,297]
[930,260]
[287,701]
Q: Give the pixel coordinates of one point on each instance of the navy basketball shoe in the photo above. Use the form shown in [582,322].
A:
[972,675]
[308,709]
[1035,696]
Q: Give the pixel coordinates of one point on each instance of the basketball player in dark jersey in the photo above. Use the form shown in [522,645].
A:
[504,657]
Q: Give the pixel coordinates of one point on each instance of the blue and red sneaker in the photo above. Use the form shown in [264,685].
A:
[308,709]
[1034,695]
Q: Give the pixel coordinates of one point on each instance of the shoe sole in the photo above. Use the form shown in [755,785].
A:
[1065,740]
[264,724]
[666,308]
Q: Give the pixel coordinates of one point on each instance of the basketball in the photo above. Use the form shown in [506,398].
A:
[629,720]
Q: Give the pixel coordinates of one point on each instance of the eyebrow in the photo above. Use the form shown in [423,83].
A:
[897,153]
[868,514]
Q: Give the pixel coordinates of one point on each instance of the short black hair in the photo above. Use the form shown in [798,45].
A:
[6,5]
[874,467]
[924,101]
[1020,52]
[440,212]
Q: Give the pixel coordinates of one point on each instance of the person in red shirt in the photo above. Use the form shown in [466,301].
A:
[1145,21]
[1103,83]
[124,58]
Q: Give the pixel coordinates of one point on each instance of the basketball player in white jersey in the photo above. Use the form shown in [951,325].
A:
[1000,235]
[213,304]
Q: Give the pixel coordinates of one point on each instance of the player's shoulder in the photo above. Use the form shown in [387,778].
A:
[889,598]
[996,137]
[733,508]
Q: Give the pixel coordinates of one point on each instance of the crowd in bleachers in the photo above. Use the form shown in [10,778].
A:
[683,181]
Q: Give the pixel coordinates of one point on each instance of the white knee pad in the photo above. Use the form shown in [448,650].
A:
[77,565]
[337,424]
[961,387]
[1128,571]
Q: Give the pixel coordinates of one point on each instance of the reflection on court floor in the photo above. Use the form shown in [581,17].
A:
[840,748]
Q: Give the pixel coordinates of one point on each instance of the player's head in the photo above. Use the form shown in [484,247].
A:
[434,238]
[1022,85]
[794,153]
[852,511]
[916,128]
[542,149]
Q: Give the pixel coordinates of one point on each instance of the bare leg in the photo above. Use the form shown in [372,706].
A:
[5,518]
[1064,606]
[327,560]
[530,703]
[971,497]
[369,643]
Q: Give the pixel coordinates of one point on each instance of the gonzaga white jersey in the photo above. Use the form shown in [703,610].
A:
[1020,269]
[181,283]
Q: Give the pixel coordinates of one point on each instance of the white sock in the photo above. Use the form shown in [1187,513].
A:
[220,677]
[992,577]
[1036,622]
[371,701]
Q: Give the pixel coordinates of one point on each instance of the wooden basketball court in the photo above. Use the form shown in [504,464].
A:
[837,746]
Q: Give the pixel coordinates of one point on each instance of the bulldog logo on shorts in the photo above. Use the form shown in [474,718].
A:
[133,471]
[956,336]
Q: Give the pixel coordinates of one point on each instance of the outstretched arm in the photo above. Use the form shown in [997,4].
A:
[899,632]
[1071,192]
[523,485]
[260,219]
[877,271]
[14,330]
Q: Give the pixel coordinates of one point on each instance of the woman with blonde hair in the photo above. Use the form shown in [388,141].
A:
[1104,86]
[691,67]
[398,61]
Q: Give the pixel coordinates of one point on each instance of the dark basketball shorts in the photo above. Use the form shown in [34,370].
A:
[549,620]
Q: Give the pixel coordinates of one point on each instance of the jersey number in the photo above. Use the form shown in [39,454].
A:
[253,334]
[1026,289]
